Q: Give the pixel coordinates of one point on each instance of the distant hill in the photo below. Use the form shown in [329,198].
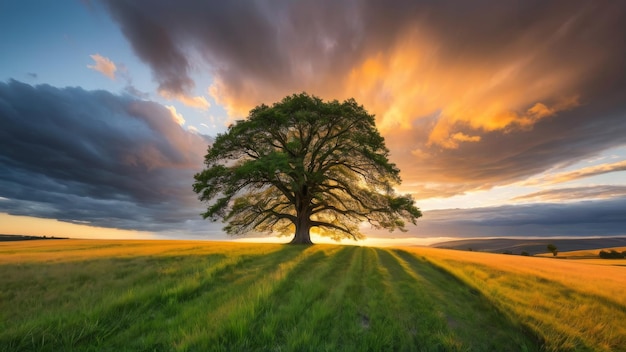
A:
[5,238]
[531,246]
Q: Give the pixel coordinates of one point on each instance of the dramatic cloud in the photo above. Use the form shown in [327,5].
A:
[474,94]
[103,65]
[91,156]
[469,96]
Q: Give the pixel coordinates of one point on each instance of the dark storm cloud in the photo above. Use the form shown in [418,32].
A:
[153,44]
[274,43]
[280,45]
[485,92]
[92,156]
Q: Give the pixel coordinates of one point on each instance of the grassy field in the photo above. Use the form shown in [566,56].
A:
[568,304]
[196,296]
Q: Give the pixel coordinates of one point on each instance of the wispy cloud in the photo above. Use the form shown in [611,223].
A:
[580,173]
[428,190]
[575,194]
[103,65]
[198,102]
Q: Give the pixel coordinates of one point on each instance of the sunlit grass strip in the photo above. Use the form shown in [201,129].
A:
[78,250]
[571,305]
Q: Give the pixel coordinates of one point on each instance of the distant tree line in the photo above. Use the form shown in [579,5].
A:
[5,238]
[509,252]
[612,254]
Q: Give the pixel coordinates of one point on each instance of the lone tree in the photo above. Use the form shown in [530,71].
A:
[552,248]
[303,163]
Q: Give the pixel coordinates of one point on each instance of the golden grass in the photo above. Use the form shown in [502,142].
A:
[608,262]
[587,252]
[57,251]
[571,304]
[589,256]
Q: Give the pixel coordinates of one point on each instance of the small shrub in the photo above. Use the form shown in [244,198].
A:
[613,254]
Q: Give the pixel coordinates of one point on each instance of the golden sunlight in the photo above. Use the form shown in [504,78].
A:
[31,226]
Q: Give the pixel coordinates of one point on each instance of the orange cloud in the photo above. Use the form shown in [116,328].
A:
[418,80]
[103,65]
[414,81]
[176,116]
[235,104]
[462,137]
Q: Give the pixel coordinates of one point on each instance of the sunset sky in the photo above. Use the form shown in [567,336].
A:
[506,118]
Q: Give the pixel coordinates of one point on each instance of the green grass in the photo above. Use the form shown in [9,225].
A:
[203,296]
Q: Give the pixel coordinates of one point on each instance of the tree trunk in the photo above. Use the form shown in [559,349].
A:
[302,235]
[303,217]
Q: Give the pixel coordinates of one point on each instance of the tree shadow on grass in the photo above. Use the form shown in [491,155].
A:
[262,324]
[185,312]
[145,309]
[407,304]
[468,313]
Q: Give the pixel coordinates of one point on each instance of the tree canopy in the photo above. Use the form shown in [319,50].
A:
[303,163]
